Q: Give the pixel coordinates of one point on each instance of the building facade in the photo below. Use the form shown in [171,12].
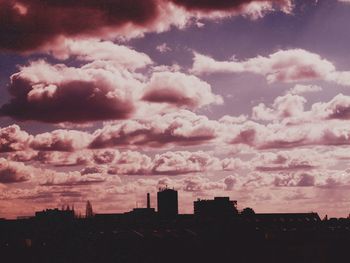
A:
[218,207]
[167,200]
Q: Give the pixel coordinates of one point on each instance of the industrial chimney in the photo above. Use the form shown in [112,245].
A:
[148,201]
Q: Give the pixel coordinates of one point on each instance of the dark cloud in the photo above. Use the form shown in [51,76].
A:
[14,172]
[217,5]
[29,24]
[306,180]
[74,105]
[58,93]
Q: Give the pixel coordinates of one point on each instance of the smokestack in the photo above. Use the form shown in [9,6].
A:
[148,201]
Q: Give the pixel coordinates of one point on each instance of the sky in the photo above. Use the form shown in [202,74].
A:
[106,100]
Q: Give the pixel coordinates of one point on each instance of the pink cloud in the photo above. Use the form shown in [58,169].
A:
[337,108]
[291,65]
[290,109]
[179,89]
[163,48]
[289,161]
[202,185]
[172,163]
[57,93]
[61,140]
[14,172]
[289,125]
[301,89]
[130,163]
[177,128]
[12,138]
[94,49]
[59,158]
[290,136]
[72,179]
[107,87]
[287,106]
[294,180]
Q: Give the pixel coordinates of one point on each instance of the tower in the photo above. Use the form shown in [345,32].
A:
[167,201]
[148,201]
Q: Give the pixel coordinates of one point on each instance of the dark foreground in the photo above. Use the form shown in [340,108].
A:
[185,239]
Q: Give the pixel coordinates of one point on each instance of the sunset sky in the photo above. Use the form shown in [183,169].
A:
[106,100]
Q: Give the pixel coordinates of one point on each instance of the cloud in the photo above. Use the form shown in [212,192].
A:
[163,48]
[172,163]
[223,5]
[286,106]
[14,172]
[60,158]
[21,20]
[293,65]
[294,180]
[177,128]
[337,108]
[94,49]
[68,18]
[288,124]
[132,163]
[61,140]
[92,170]
[105,87]
[12,138]
[301,89]
[72,179]
[180,90]
[58,93]
[200,184]
[289,136]
[306,180]
[290,109]
[289,161]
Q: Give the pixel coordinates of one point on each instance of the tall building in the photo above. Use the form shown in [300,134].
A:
[219,207]
[167,201]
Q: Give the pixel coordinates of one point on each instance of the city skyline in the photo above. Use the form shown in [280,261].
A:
[167,209]
[108,100]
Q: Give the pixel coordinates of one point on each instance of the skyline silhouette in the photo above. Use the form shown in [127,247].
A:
[107,100]
[146,235]
[167,209]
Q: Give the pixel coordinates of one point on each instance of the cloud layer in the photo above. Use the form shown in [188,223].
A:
[291,65]
[21,20]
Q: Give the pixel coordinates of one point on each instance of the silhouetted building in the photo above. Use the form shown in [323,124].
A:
[219,207]
[167,202]
[248,212]
[143,212]
[55,214]
[287,218]
[23,217]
